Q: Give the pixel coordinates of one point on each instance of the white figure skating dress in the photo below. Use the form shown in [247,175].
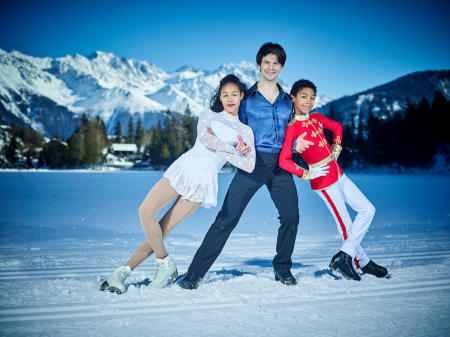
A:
[194,174]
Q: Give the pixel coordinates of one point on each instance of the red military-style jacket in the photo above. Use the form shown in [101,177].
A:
[317,154]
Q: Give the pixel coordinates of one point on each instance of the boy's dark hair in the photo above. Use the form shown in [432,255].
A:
[300,84]
[215,103]
[271,48]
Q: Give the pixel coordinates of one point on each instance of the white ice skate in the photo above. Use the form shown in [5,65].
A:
[166,272]
[115,282]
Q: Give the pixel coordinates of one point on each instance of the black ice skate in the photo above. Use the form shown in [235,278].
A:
[375,269]
[342,262]
[189,281]
[285,277]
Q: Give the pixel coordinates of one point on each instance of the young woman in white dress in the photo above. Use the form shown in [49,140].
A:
[191,181]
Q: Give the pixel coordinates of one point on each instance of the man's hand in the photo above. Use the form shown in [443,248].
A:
[241,147]
[210,131]
[302,144]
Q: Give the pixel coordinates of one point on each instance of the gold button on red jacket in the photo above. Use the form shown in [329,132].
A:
[316,154]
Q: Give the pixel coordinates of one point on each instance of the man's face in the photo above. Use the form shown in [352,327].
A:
[270,67]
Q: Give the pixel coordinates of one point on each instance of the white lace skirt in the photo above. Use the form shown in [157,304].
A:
[194,178]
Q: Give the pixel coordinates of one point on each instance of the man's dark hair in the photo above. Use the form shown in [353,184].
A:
[271,48]
[300,84]
[216,104]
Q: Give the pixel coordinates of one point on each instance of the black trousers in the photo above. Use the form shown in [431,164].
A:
[242,188]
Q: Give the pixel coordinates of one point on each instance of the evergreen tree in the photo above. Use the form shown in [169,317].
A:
[347,156]
[399,135]
[171,136]
[130,135]
[100,138]
[12,147]
[156,145]
[440,109]
[376,142]
[189,129]
[75,149]
[86,144]
[41,161]
[118,132]
[427,143]
[54,153]
[28,161]
[361,144]
[32,139]
[332,112]
[412,124]
[139,133]
[165,154]
[88,136]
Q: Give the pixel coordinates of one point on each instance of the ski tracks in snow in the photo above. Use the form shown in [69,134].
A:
[77,311]
[306,292]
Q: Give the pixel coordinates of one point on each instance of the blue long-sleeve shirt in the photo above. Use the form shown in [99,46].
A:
[268,121]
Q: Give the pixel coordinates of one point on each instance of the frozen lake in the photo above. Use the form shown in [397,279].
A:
[61,232]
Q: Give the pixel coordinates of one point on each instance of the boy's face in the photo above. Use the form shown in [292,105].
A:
[304,101]
[270,67]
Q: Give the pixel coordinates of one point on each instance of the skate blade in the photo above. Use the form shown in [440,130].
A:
[105,287]
[343,276]
[333,274]
[115,290]
[173,278]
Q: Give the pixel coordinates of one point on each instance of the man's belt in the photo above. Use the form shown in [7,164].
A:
[323,161]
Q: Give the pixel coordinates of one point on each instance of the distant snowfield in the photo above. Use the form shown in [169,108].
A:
[61,232]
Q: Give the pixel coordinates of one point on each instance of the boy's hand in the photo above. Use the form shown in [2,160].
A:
[302,144]
[241,147]
[319,171]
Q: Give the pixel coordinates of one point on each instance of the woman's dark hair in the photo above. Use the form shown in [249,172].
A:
[216,104]
[300,84]
[271,48]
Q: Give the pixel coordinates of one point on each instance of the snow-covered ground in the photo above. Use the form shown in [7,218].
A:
[61,232]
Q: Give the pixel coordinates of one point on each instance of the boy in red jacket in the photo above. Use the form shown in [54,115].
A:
[329,181]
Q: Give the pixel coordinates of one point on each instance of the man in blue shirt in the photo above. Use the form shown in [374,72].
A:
[267,110]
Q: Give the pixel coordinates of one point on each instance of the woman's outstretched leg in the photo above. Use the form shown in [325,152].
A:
[179,211]
[159,196]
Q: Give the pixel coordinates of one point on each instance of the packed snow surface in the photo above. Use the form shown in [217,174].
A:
[62,232]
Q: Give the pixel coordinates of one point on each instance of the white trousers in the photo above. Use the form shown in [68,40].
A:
[344,191]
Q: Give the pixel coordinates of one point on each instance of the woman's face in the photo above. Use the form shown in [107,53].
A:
[231,97]
[304,101]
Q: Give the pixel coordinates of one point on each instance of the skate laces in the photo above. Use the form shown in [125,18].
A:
[122,274]
[162,273]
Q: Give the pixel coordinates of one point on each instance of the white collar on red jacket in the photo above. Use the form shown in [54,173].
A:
[301,117]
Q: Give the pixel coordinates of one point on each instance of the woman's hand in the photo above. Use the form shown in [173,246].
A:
[241,147]
[209,130]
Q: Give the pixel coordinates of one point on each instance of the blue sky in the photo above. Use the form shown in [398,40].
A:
[342,46]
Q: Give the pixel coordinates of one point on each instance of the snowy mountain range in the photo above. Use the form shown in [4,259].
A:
[387,99]
[50,95]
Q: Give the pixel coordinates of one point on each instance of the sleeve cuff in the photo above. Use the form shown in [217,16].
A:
[306,175]
[336,149]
